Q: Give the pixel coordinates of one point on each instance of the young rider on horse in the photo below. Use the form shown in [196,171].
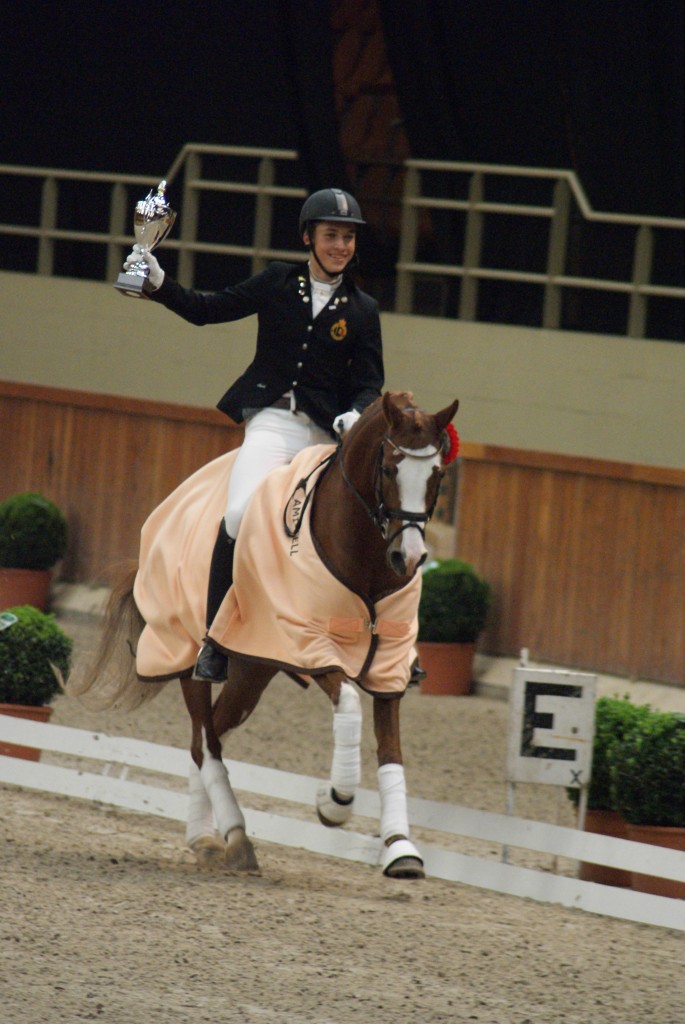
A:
[317,365]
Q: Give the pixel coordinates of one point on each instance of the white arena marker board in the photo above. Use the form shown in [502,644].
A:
[345,843]
[551,727]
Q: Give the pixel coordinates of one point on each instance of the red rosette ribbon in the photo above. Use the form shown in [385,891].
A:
[450,445]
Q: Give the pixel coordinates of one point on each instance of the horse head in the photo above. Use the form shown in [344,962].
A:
[411,450]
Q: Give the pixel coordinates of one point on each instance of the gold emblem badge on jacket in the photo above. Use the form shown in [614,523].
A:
[339,330]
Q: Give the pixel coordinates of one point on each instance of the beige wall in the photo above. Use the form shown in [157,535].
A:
[601,396]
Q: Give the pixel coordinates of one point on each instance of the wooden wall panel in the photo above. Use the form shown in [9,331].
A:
[107,463]
[586,558]
[588,568]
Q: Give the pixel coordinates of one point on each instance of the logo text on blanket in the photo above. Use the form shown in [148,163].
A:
[293,511]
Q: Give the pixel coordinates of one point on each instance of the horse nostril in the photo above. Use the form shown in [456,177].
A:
[397,563]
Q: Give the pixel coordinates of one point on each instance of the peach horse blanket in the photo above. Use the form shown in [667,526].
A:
[285,607]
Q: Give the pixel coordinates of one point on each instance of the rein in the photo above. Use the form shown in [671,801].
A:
[302,485]
[381,515]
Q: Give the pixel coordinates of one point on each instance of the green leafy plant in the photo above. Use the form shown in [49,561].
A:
[648,771]
[33,532]
[31,642]
[454,604]
[614,718]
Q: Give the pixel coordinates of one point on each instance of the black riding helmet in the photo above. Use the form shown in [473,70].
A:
[330,204]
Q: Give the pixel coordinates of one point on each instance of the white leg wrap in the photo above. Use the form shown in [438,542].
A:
[218,787]
[393,794]
[347,734]
[395,820]
[332,812]
[200,815]
[346,764]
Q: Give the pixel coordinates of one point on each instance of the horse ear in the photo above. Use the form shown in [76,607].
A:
[446,416]
[392,413]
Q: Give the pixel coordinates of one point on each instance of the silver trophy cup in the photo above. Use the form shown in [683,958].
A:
[152,221]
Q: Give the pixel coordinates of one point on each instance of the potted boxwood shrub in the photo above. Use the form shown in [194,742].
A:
[31,643]
[33,538]
[648,780]
[453,609]
[614,718]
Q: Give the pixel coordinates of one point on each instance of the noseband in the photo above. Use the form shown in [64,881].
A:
[382,514]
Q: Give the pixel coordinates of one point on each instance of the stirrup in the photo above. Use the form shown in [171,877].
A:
[211,665]
[416,673]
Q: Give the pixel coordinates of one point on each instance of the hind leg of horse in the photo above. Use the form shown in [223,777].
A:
[335,799]
[401,859]
[236,702]
[211,796]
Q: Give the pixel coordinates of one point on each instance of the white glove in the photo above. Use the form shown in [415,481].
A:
[141,255]
[343,422]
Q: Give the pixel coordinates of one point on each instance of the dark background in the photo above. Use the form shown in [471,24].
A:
[590,86]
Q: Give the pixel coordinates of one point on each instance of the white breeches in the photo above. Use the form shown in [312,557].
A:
[272,438]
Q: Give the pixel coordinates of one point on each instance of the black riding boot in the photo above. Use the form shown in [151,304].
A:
[212,665]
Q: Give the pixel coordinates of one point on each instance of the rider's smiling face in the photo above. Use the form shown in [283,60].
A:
[334,244]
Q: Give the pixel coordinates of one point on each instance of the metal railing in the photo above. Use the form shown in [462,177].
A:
[188,163]
[475,206]
[262,187]
[264,190]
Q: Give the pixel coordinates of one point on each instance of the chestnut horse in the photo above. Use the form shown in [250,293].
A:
[363,510]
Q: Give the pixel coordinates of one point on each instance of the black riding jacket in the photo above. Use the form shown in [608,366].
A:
[333,362]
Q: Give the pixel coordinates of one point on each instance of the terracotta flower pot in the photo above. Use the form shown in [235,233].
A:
[24,586]
[658,835]
[35,714]
[448,668]
[605,823]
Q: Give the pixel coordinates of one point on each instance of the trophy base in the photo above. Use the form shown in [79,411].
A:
[131,284]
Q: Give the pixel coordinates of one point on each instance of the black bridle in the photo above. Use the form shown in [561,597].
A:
[382,514]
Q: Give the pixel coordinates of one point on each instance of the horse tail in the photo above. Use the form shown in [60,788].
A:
[106,678]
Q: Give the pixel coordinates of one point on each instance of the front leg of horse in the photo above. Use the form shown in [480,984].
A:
[401,859]
[335,800]
[211,796]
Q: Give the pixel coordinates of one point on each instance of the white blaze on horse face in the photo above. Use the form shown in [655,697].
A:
[413,473]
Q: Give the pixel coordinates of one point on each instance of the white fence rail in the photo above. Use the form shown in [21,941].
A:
[344,843]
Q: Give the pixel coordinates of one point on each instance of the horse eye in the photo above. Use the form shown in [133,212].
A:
[389,472]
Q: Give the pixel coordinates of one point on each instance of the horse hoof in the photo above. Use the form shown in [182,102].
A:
[332,811]
[240,855]
[327,821]
[402,860]
[405,867]
[209,852]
